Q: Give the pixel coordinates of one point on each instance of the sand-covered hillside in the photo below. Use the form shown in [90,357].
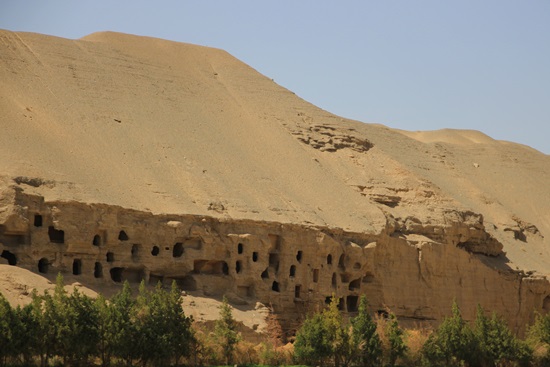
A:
[176,128]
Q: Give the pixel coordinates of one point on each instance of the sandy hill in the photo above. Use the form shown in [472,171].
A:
[169,127]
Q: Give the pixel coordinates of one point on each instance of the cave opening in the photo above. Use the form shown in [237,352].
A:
[43,265]
[178,250]
[352,302]
[12,259]
[122,236]
[155,250]
[135,251]
[116,274]
[77,267]
[315,275]
[297,290]
[37,220]
[56,235]
[292,270]
[240,248]
[98,270]
[97,240]
[355,285]
[275,286]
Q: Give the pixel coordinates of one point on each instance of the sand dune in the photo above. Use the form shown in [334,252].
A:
[176,128]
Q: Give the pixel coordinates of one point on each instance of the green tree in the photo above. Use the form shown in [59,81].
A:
[312,347]
[452,344]
[82,335]
[323,336]
[104,348]
[162,322]
[226,331]
[179,330]
[7,320]
[337,334]
[495,342]
[120,331]
[538,337]
[394,335]
[27,332]
[366,341]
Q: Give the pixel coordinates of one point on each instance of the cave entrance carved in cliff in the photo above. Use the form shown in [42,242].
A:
[122,236]
[12,259]
[351,303]
[98,270]
[77,267]
[43,265]
[210,267]
[177,251]
[37,220]
[56,235]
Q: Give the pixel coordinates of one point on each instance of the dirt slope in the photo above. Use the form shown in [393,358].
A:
[176,128]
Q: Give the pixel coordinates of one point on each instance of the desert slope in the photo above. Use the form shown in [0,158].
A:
[177,128]
[153,129]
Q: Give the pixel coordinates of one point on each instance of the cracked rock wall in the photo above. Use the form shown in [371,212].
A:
[294,268]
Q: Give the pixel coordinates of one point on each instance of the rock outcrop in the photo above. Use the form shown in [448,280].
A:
[414,270]
[131,158]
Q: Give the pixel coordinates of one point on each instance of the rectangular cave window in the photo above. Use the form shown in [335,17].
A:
[135,251]
[77,267]
[297,290]
[315,275]
[299,256]
[37,220]
[116,274]
[210,267]
[12,259]
[122,236]
[274,261]
[275,242]
[254,256]
[352,303]
[98,270]
[56,235]
[342,304]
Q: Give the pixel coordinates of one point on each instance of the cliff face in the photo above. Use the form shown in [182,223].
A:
[134,158]
[292,267]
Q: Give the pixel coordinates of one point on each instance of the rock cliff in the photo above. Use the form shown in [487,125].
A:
[130,158]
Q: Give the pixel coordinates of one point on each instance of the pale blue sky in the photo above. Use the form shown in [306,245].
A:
[414,65]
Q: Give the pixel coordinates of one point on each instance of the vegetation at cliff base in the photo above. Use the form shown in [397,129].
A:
[150,328]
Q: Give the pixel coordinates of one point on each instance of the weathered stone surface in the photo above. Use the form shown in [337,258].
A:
[293,268]
[126,157]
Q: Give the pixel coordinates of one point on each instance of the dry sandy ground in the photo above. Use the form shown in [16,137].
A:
[177,128]
[16,284]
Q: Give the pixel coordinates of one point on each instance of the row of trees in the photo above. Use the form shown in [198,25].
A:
[74,329]
[150,328]
[325,339]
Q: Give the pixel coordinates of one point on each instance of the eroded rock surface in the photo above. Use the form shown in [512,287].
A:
[414,270]
[129,158]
